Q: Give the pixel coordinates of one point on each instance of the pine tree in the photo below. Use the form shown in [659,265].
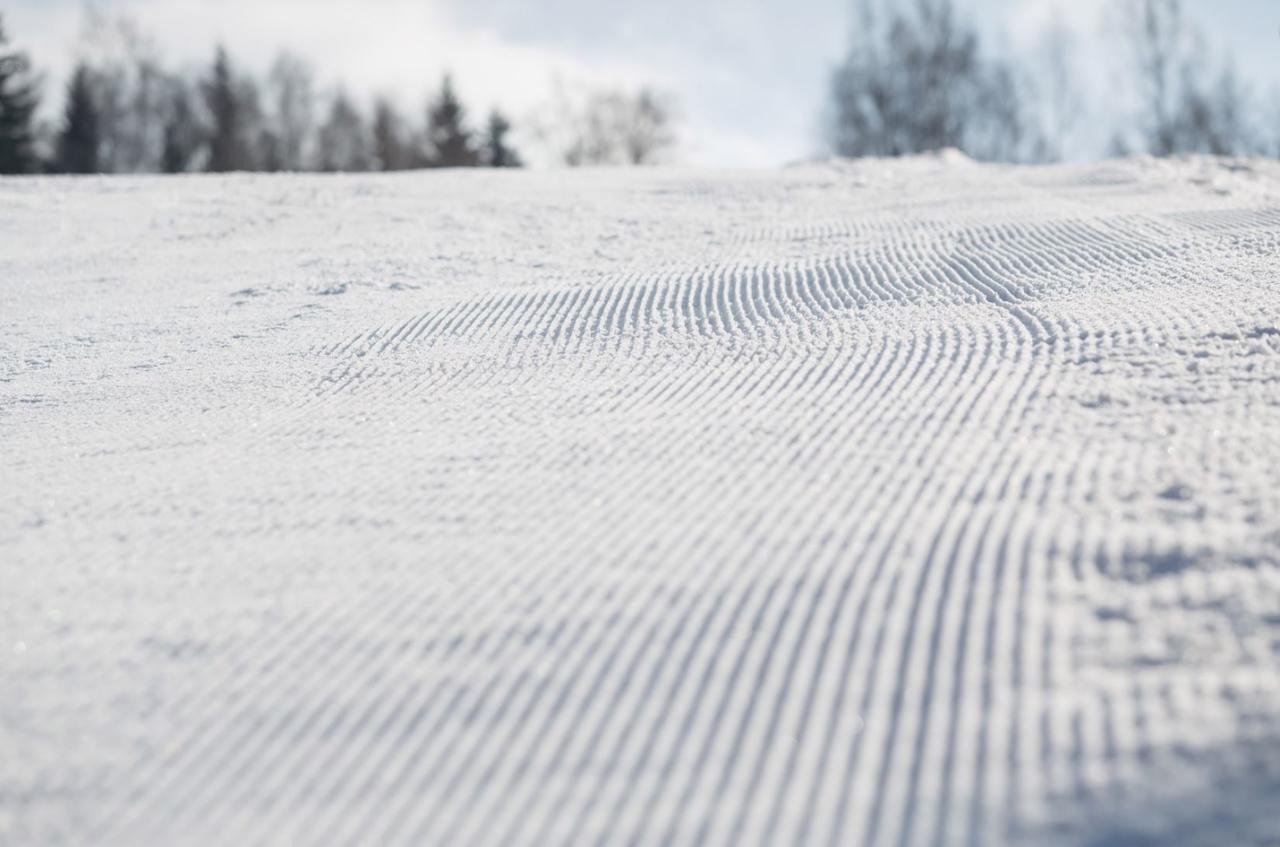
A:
[18,101]
[270,152]
[80,141]
[389,145]
[448,140]
[226,143]
[497,152]
[183,134]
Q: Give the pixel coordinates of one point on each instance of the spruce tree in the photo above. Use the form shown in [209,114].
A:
[18,101]
[448,139]
[390,149]
[80,139]
[497,152]
[226,145]
[183,134]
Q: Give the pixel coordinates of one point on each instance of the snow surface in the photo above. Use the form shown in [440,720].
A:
[913,502]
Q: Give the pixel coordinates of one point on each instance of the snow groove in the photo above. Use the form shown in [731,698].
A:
[926,507]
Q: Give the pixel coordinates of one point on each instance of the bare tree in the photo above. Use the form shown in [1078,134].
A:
[129,86]
[1213,118]
[1157,40]
[915,79]
[1184,109]
[343,142]
[595,136]
[1270,141]
[290,111]
[1059,97]
[999,127]
[645,127]
[608,127]
[551,124]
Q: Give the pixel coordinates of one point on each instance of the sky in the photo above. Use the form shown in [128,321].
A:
[750,76]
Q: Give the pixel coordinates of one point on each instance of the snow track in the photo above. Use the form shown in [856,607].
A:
[911,502]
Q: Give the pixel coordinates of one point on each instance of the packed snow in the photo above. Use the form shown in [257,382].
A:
[855,503]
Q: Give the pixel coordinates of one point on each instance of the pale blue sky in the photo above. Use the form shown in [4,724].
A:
[750,74]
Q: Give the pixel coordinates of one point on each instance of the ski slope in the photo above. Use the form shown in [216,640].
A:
[856,503]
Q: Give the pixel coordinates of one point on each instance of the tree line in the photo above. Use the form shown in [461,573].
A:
[125,112]
[917,77]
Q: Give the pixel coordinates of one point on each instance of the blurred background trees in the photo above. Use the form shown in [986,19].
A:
[1187,105]
[498,152]
[125,112]
[343,142]
[79,141]
[184,132]
[128,88]
[291,101]
[449,141]
[232,107]
[18,101]
[392,148]
[1058,102]
[918,76]
[607,127]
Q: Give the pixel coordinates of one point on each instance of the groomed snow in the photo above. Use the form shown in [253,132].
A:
[914,502]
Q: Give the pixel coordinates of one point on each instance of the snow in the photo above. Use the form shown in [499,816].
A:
[881,502]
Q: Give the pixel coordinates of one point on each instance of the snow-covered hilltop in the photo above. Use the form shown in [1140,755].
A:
[910,502]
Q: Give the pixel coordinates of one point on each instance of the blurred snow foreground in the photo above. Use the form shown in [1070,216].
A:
[912,502]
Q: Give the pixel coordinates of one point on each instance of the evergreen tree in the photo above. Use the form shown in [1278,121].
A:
[270,152]
[183,134]
[80,140]
[226,142]
[389,145]
[18,101]
[498,153]
[449,143]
